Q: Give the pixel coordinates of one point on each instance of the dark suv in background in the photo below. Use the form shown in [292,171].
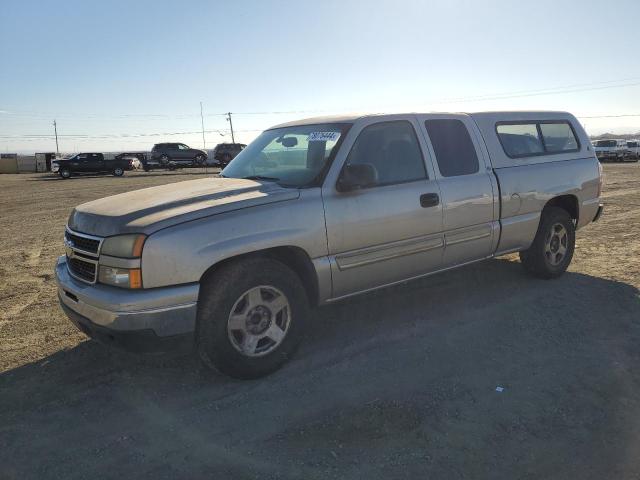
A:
[225,152]
[173,155]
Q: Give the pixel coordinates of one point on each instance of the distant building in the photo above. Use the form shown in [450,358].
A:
[8,163]
[14,163]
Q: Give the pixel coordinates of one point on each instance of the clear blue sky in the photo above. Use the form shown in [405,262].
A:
[142,67]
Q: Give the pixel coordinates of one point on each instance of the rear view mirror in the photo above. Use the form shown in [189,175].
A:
[289,142]
[355,177]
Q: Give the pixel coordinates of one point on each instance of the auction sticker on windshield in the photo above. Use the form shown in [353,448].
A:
[323,137]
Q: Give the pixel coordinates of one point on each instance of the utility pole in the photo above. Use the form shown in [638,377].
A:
[233,140]
[204,143]
[55,129]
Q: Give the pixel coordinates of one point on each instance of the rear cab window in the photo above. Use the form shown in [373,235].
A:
[525,139]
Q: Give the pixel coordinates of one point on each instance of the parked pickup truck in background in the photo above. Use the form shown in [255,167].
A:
[89,163]
[318,210]
[610,149]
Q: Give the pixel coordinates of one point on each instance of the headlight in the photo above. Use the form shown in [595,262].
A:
[120,277]
[124,246]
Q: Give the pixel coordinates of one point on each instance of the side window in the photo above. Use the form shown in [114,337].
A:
[520,140]
[558,137]
[82,156]
[182,146]
[454,149]
[392,149]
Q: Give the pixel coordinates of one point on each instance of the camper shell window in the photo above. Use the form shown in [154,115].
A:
[534,138]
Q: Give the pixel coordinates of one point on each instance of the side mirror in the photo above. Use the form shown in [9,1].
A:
[355,177]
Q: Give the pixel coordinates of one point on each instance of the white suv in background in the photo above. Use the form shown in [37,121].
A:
[610,149]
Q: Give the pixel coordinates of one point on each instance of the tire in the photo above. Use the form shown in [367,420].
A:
[233,288]
[164,159]
[64,173]
[199,160]
[118,172]
[552,249]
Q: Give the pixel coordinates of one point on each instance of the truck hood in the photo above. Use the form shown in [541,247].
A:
[151,209]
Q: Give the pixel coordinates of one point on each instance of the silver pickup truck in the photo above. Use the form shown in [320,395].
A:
[318,210]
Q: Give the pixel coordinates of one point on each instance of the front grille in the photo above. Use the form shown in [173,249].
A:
[82,243]
[81,269]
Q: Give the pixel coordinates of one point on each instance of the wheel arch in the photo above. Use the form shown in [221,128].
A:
[294,257]
[567,202]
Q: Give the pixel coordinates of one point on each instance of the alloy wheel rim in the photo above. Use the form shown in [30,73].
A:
[259,321]
[556,244]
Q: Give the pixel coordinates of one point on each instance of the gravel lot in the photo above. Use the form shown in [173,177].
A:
[396,384]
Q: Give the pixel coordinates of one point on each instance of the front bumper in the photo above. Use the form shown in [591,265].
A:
[144,320]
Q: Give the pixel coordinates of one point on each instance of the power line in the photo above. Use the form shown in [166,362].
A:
[614,116]
[218,131]
[578,87]
[133,135]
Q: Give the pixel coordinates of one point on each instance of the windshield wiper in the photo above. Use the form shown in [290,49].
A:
[261,177]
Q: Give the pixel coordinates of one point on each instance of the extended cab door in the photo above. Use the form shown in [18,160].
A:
[392,230]
[467,185]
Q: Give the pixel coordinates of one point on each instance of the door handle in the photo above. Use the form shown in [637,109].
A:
[429,200]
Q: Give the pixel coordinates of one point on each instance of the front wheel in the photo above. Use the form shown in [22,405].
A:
[251,317]
[552,249]
[199,160]
[64,173]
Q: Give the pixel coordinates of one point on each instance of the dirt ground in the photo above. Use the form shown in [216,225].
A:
[396,384]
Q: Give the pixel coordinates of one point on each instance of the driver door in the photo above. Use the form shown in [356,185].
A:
[392,230]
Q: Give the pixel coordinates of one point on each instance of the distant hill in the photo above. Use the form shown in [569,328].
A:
[625,136]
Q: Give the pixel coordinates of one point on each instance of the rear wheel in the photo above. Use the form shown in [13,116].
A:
[552,249]
[251,317]
[164,159]
[118,172]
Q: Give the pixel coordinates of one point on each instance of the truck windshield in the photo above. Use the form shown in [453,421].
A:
[605,143]
[295,156]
